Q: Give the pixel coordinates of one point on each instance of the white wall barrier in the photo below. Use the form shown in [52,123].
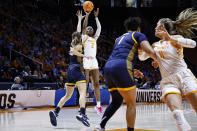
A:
[148,96]
[41,98]
[26,98]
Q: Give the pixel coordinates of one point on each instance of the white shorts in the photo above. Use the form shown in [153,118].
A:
[183,83]
[90,63]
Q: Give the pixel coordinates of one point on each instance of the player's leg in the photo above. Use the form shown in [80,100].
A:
[110,110]
[53,114]
[82,92]
[64,99]
[174,102]
[192,99]
[87,75]
[82,102]
[130,99]
[190,88]
[95,83]
[111,75]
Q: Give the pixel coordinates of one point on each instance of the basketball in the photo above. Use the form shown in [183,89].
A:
[88,6]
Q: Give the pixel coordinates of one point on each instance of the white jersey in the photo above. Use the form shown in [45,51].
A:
[176,78]
[90,45]
[170,58]
[90,49]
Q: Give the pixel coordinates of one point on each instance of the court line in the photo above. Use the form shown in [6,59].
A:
[52,108]
[126,130]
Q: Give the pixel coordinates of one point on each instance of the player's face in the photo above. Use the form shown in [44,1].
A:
[157,29]
[89,31]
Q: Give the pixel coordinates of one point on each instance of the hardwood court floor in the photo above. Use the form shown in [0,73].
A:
[151,117]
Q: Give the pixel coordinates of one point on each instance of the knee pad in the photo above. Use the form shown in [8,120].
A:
[181,122]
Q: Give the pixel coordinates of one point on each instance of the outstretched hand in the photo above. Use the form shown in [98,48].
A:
[88,57]
[163,32]
[71,52]
[79,14]
[96,12]
[87,13]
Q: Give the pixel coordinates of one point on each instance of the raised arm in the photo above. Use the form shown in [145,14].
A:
[85,23]
[184,42]
[98,30]
[80,17]
[177,39]
[77,51]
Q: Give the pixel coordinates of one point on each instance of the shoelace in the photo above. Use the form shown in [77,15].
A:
[85,117]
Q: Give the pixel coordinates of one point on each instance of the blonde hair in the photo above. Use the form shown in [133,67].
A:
[184,25]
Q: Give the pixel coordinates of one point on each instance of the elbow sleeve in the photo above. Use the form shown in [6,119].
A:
[98,31]
[186,42]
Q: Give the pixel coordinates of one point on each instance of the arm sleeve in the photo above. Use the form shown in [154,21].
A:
[184,42]
[79,25]
[98,31]
[84,39]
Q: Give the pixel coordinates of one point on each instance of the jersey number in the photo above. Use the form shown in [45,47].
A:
[161,54]
[92,45]
[121,39]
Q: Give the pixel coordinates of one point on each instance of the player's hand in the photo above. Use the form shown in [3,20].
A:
[87,13]
[155,64]
[163,32]
[88,57]
[138,74]
[71,52]
[96,12]
[79,14]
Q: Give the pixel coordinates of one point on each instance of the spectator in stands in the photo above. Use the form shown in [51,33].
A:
[38,73]
[60,83]
[17,84]
[6,74]
[26,72]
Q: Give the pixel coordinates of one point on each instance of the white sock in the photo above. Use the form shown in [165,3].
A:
[181,122]
[98,104]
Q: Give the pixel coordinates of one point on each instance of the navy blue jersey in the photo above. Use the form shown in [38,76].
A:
[75,60]
[118,71]
[75,73]
[126,46]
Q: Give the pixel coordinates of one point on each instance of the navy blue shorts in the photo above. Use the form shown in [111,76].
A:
[119,75]
[75,75]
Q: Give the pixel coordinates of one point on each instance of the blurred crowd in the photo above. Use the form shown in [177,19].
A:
[36,44]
